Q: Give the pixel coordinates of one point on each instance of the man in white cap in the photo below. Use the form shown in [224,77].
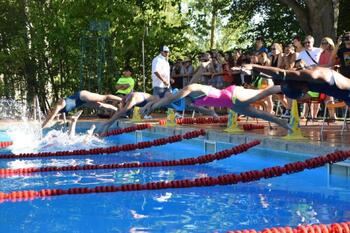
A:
[161,72]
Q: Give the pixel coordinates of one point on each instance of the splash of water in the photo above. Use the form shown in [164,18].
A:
[56,140]
[12,110]
[28,140]
[25,137]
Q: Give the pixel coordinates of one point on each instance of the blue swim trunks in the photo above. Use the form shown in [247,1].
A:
[72,102]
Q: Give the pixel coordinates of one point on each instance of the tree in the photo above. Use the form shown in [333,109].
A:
[39,42]
[267,18]
[344,19]
[203,12]
[318,18]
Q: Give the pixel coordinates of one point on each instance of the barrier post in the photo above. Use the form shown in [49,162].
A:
[136,116]
[232,125]
[294,124]
[170,118]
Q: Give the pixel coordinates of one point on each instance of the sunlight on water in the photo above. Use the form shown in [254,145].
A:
[51,162]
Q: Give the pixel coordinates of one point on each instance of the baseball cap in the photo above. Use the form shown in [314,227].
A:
[164,48]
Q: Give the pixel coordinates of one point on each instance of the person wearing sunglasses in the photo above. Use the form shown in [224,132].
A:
[311,56]
[327,45]
[341,54]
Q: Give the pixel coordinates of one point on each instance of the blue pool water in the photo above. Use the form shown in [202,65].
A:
[313,196]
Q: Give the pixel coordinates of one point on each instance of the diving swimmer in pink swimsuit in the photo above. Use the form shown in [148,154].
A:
[217,98]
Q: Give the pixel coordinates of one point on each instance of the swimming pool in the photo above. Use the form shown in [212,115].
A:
[304,198]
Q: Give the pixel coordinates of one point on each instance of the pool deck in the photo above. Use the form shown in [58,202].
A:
[332,139]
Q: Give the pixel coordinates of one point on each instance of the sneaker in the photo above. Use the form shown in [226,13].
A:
[147,117]
[286,114]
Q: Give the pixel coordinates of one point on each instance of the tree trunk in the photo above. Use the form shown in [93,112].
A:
[213,26]
[344,19]
[29,61]
[319,18]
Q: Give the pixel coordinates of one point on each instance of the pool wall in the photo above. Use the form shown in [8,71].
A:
[270,142]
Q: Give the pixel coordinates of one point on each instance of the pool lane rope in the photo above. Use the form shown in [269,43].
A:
[201,120]
[126,130]
[342,227]
[248,127]
[109,150]
[228,179]
[5,144]
[182,162]
[211,120]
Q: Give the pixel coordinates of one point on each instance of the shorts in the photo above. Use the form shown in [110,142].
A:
[160,91]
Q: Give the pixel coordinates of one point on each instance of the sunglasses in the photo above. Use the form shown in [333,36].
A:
[347,38]
[324,42]
[273,48]
[307,42]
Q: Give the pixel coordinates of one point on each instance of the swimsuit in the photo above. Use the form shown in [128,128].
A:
[330,88]
[72,102]
[217,98]
[292,89]
[141,104]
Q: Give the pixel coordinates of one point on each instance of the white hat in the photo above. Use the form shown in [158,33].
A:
[164,48]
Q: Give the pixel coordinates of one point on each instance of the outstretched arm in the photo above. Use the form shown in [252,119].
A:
[53,113]
[281,74]
[181,94]
[273,72]
[107,106]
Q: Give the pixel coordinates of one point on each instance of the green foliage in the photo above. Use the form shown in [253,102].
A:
[39,42]
[272,20]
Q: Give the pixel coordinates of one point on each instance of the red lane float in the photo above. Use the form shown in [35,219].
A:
[182,162]
[126,130]
[109,150]
[242,177]
[248,127]
[197,120]
[343,227]
[201,120]
[5,144]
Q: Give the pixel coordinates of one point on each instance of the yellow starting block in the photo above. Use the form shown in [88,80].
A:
[295,124]
[232,125]
[136,115]
[170,118]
